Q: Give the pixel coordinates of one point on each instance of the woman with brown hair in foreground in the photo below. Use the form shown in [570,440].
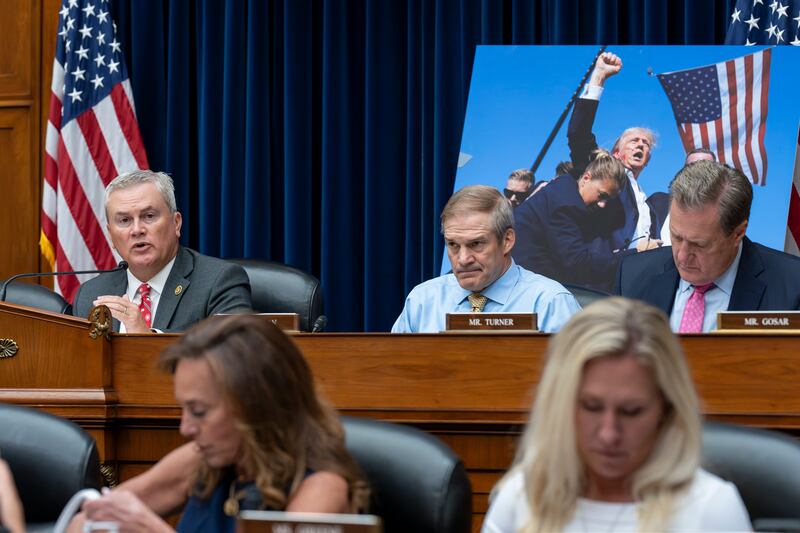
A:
[614,438]
[262,436]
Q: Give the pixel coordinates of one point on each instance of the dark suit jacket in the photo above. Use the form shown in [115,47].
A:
[208,286]
[557,237]
[621,214]
[767,280]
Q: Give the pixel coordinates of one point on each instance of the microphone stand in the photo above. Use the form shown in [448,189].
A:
[121,266]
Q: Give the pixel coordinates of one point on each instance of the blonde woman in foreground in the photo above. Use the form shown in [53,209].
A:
[614,439]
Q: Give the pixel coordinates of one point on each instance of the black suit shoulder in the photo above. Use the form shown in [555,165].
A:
[776,257]
[769,278]
[634,269]
[766,279]
[199,286]
[100,285]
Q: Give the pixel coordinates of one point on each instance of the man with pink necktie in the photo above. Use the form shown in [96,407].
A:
[711,265]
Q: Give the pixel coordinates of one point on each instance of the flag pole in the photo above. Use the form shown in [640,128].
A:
[563,116]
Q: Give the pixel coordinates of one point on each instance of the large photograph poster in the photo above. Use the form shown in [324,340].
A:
[517,94]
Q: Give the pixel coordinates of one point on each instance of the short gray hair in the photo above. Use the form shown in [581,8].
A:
[480,199]
[709,182]
[162,182]
[521,174]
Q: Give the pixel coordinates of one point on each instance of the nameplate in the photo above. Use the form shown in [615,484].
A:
[280,522]
[285,321]
[491,322]
[746,320]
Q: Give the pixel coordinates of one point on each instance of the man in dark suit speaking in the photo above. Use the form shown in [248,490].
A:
[711,265]
[167,287]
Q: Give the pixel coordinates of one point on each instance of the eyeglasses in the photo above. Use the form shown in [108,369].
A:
[519,194]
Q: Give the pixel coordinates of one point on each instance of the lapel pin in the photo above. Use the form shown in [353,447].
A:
[178,290]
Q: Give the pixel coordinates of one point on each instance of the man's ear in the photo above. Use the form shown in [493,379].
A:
[739,231]
[178,223]
[508,241]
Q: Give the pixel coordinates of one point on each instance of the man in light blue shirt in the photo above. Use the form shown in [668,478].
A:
[478,229]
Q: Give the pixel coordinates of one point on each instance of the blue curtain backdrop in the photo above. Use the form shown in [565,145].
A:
[325,133]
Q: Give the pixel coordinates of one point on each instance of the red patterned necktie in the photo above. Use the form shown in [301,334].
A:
[145,306]
[695,310]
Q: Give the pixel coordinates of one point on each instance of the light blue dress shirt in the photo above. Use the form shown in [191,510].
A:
[516,291]
[717,299]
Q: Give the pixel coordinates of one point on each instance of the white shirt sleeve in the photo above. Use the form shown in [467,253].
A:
[725,511]
[592,92]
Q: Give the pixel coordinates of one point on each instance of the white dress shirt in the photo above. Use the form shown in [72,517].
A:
[156,283]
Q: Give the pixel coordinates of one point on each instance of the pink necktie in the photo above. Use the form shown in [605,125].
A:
[145,306]
[695,310]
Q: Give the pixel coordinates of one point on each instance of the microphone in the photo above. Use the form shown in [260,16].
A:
[627,243]
[319,324]
[123,265]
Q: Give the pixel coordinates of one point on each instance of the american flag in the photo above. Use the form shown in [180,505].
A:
[723,107]
[756,22]
[792,244]
[92,136]
[764,22]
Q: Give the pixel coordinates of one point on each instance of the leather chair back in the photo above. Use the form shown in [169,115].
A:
[586,295]
[20,292]
[51,459]
[418,484]
[279,288]
[764,466]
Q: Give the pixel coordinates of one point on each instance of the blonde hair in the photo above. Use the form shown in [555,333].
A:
[602,165]
[548,453]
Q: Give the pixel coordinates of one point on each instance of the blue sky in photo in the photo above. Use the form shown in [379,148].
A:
[517,94]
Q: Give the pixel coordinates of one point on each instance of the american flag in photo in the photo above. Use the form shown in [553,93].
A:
[92,136]
[723,107]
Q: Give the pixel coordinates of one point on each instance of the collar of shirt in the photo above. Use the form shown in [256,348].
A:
[156,283]
[637,190]
[725,281]
[498,292]
[643,220]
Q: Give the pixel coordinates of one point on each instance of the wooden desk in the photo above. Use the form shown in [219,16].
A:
[472,391]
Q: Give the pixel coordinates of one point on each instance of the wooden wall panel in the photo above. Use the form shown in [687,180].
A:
[19,202]
[17,63]
[20,107]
